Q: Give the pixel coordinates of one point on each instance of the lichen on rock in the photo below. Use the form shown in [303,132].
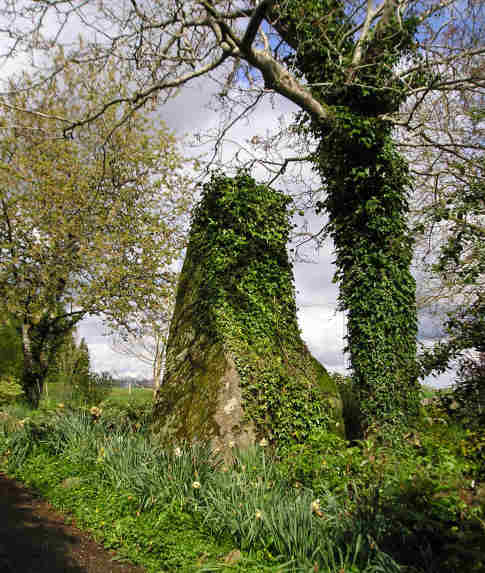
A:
[237,369]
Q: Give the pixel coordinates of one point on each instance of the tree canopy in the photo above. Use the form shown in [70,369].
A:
[88,225]
[159,46]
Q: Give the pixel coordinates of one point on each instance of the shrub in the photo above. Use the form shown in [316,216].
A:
[352,413]
[92,388]
[10,390]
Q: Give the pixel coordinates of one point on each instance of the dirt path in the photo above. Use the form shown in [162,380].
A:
[35,539]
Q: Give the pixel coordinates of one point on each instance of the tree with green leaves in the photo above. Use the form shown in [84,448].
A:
[356,70]
[88,225]
[459,270]
[69,369]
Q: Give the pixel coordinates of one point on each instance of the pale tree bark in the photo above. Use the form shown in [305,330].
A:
[147,348]
[144,336]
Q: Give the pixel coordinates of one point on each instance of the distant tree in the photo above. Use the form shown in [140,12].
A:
[88,225]
[146,339]
[70,367]
[11,360]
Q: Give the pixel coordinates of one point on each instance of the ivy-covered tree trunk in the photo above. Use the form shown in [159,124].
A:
[40,342]
[367,183]
[35,367]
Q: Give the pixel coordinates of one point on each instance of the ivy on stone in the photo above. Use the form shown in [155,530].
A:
[247,302]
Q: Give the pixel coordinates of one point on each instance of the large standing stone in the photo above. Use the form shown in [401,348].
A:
[237,369]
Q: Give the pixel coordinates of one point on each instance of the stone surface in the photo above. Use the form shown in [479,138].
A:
[236,367]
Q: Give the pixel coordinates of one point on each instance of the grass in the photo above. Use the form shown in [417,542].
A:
[61,394]
[373,507]
[139,397]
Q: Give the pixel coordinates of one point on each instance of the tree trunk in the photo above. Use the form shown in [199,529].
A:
[157,367]
[368,182]
[35,367]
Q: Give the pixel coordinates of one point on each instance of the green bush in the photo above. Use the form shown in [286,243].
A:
[10,390]
[324,461]
[351,410]
[133,415]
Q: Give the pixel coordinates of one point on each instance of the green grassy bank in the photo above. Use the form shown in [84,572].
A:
[413,504]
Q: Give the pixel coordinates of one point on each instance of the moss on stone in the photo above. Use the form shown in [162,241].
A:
[237,368]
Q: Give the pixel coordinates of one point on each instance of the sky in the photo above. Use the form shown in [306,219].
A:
[322,326]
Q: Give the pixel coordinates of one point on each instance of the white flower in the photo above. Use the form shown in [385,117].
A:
[258,514]
[177,452]
[263,443]
[315,508]
[196,485]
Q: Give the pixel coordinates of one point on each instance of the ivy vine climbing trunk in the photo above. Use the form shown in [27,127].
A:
[367,183]
[41,339]
[35,367]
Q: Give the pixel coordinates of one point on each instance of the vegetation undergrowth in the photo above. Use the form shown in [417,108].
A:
[413,504]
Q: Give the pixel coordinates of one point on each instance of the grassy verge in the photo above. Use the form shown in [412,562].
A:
[414,505]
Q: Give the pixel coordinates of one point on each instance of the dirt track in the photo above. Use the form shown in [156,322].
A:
[35,539]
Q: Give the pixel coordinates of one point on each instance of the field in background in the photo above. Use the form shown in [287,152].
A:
[118,397]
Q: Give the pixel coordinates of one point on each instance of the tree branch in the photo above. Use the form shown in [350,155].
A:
[254,23]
